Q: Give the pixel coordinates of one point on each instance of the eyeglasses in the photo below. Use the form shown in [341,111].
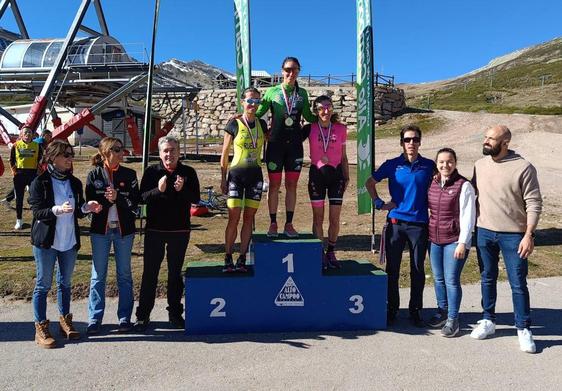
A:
[408,140]
[289,70]
[68,154]
[252,101]
[324,107]
[116,149]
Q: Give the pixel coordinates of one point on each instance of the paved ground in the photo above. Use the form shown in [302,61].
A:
[402,358]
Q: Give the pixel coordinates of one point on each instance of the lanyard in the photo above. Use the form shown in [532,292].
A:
[289,103]
[325,140]
[253,132]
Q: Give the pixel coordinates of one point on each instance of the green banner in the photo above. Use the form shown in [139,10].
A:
[365,117]
[242,44]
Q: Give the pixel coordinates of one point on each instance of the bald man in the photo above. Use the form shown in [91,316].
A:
[508,209]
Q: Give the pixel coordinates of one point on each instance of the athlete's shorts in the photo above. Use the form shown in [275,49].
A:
[245,186]
[326,180]
[286,156]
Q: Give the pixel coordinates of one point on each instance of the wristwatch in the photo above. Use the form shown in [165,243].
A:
[378,203]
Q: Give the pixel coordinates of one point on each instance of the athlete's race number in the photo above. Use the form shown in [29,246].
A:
[218,311]
[358,306]
[289,261]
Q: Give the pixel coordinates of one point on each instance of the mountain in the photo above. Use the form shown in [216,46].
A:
[526,81]
[193,72]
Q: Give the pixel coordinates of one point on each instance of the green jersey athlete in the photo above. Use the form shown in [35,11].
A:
[243,180]
[287,102]
[286,127]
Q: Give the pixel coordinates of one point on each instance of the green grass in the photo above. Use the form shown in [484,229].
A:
[477,94]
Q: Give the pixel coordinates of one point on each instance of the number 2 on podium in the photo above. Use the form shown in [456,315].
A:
[218,311]
[289,261]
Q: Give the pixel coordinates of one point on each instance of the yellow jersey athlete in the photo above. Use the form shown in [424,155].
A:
[24,160]
[243,180]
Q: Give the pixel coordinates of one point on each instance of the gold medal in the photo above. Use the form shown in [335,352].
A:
[289,121]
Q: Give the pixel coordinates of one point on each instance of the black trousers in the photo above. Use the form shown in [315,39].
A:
[175,246]
[21,180]
[397,235]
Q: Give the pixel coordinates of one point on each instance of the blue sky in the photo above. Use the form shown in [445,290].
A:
[414,40]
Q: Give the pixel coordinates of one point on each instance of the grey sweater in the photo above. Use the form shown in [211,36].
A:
[509,197]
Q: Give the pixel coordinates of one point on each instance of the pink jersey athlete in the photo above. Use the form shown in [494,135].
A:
[326,144]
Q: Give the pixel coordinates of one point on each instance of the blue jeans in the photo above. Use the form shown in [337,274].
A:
[489,245]
[447,275]
[122,246]
[45,260]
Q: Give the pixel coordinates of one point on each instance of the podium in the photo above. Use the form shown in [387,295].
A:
[285,290]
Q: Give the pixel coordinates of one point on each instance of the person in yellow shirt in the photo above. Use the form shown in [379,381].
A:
[25,156]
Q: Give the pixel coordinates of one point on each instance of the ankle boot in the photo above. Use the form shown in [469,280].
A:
[67,329]
[43,336]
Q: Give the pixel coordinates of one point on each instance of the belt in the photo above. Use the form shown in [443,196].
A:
[392,220]
[113,224]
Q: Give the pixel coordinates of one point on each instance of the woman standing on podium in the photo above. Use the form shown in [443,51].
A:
[288,102]
[242,181]
[329,173]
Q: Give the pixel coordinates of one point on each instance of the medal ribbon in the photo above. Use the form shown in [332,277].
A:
[289,104]
[325,140]
[253,137]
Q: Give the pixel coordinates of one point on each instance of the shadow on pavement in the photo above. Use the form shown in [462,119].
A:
[546,322]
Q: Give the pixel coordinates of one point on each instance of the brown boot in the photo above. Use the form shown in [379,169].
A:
[43,336]
[67,329]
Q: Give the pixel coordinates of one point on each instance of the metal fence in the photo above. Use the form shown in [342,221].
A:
[308,81]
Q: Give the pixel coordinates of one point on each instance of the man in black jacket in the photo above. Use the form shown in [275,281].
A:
[168,189]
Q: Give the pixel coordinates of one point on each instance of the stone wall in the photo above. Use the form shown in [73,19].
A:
[217,106]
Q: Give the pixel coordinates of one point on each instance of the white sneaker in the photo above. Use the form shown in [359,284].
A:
[19,224]
[526,343]
[484,329]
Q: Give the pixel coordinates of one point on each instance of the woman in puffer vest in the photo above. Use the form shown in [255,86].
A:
[452,216]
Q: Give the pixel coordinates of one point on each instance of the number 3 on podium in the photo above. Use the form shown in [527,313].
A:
[358,306]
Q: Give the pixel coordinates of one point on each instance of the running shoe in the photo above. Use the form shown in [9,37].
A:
[526,342]
[125,326]
[272,232]
[228,264]
[451,328]
[438,319]
[241,264]
[333,262]
[290,231]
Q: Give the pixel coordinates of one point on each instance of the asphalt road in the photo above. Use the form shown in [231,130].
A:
[401,358]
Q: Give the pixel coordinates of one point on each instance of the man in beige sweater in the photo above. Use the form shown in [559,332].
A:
[508,208]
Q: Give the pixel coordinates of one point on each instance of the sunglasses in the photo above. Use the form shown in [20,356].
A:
[324,107]
[289,70]
[408,140]
[68,154]
[116,149]
[252,101]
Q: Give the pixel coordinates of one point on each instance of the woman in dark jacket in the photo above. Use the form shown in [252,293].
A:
[57,202]
[116,188]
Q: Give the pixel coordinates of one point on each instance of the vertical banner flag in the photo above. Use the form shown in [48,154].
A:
[242,44]
[364,86]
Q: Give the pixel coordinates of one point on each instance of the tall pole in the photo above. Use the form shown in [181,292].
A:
[148,110]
